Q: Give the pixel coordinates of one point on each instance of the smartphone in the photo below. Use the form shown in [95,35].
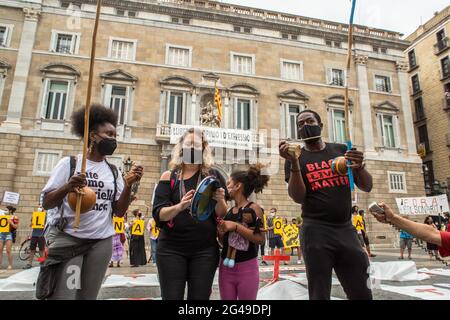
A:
[374,207]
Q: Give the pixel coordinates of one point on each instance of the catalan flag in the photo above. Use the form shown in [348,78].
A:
[218,102]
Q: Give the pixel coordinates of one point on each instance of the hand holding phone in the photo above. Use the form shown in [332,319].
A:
[374,207]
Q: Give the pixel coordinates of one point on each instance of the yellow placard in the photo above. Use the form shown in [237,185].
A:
[138,228]
[358,222]
[278,226]
[38,220]
[290,236]
[265,221]
[155,230]
[4,223]
[119,224]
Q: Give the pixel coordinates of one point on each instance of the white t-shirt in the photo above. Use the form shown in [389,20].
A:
[97,223]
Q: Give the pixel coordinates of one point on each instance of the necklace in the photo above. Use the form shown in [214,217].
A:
[182,188]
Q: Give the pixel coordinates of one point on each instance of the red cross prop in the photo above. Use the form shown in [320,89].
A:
[431,290]
[276,258]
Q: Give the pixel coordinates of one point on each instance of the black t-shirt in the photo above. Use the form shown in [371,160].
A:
[187,234]
[252,251]
[328,195]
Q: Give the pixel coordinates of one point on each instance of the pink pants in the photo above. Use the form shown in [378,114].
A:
[240,282]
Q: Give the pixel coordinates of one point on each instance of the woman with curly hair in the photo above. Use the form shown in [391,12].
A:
[78,258]
[187,251]
[239,280]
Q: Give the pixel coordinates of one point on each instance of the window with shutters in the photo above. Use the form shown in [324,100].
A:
[65,42]
[397,182]
[122,49]
[45,161]
[56,100]
[179,56]
[243,114]
[383,83]
[242,63]
[291,70]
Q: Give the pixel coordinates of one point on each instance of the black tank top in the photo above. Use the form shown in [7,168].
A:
[252,251]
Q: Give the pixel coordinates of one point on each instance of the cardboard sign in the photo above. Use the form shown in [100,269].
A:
[119,224]
[278,226]
[265,221]
[290,236]
[38,220]
[4,223]
[11,197]
[138,228]
[423,205]
[358,222]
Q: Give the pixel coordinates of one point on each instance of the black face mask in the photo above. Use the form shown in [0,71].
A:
[106,147]
[308,131]
[192,156]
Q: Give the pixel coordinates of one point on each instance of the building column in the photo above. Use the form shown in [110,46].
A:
[402,72]
[364,102]
[19,86]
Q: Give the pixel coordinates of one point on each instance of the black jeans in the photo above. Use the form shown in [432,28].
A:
[330,246]
[175,268]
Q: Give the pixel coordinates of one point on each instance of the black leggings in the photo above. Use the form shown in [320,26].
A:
[326,247]
[197,269]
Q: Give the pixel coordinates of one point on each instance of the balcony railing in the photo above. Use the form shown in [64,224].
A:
[441,45]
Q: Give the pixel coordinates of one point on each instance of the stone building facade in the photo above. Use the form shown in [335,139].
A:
[158,62]
[429,73]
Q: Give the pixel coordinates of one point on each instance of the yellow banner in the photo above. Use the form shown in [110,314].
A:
[278,226]
[290,236]
[4,223]
[38,220]
[119,224]
[138,228]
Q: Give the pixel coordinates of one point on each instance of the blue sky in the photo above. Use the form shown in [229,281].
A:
[397,15]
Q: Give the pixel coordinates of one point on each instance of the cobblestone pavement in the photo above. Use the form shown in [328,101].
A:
[383,254]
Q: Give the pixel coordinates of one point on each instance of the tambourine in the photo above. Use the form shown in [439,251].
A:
[203,205]
[339,166]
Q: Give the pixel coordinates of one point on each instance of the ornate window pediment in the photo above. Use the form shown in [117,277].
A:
[244,88]
[63,69]
[177,81]
[386,106]
[293,94]
[338,100]
[119,76]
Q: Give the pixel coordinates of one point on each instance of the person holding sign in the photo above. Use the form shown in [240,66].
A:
[188,251]
[37,236]
[328,238]
[239,274]
[6,223]
[153,231]
[118,241]
[138,256]
[425,232]
[357,222]
[84,253]
[275,240]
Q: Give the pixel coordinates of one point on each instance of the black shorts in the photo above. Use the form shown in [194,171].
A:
[276,242]
[37,242]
